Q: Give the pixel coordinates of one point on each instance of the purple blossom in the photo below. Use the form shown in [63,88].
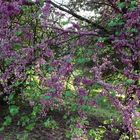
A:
[77,81]
[46,8]
[82,92]
[87,81]
[32,53]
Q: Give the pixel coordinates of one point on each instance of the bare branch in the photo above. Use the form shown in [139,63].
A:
[79,17]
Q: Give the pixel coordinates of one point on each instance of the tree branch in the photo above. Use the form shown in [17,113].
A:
[79,17]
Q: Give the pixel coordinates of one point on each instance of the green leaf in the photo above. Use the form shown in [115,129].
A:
[137,122]
[8,61]
[129,82]
[1,129]
[50,69]
[120,22]
[18,33]
[68,93]
[36,110]
[81,60]
[117,33]
[13,110]
[7,121]
[24,120]
[50,123]
[65,23]
[133,4]
[17,46]
[102,39]
[46,97]
[132,30]
[112,23]
[89,52]
[74,107]
[121,5]
[85,107]
[30,126]
[113,93]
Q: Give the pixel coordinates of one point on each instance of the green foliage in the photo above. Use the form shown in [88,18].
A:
[118,20]
[97,134]
[30,126]
[81,60]
[129,82]
[121,5]
[105,114]
[74,107]
[17,46]
[50,124]
[125,137]
[22,136]
[14,110]
[36,110]
[137,123]
[28,122]
[85,108]
[73,130]
[132,30]
[102,39]
[46,97]
[64,22]
[7,121]
[133,5]
[24,120]
[68,93]
[33,91]
[18,33]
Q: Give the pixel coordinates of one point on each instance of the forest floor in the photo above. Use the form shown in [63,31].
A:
[15,132]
